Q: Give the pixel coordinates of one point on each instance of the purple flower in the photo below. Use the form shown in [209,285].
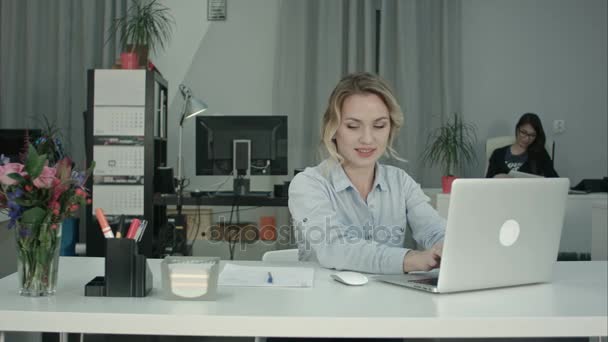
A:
[24,232]
[17,193]
[15,210]
[4,159]
[14,213]
[79,177]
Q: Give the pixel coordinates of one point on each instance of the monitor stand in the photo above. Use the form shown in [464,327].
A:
[241,186]
[241,159]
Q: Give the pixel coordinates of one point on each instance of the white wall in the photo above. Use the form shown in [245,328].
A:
[191,25]
[228,64]
[542,56]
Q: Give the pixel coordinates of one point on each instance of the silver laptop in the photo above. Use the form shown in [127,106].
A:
[500,232]
[519,174]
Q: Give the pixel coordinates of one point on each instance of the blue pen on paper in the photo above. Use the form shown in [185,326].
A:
[269,281]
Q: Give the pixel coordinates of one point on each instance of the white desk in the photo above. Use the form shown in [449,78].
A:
[576,234]
[575,304]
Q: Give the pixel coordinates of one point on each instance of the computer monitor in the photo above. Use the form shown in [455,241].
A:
[220,137]
[12,142]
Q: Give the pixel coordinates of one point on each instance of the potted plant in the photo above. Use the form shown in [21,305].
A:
[146,25]
[451,146]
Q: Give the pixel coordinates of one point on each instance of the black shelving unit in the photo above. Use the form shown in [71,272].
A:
[126,110]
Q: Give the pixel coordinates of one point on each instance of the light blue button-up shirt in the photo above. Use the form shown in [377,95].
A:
[340,230]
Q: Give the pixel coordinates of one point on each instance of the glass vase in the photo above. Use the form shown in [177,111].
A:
[37,258]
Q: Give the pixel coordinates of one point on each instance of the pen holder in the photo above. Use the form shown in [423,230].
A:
[127,273]
[189,278]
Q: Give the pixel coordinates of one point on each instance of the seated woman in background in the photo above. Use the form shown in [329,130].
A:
[350,211]
[527,154]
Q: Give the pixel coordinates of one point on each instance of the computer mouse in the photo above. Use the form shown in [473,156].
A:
[350,278]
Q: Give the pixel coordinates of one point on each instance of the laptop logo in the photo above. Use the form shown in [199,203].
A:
[509,232]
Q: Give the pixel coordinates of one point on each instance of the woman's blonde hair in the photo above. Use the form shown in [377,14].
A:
[359,83]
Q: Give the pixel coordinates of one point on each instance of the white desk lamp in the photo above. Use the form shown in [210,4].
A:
[192,107]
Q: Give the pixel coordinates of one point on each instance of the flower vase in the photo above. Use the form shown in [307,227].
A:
[37,258]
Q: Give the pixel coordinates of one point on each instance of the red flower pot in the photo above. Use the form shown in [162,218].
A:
[446,183]
[129,60]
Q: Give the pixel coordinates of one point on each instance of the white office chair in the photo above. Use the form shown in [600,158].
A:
[284,255]
[498,142]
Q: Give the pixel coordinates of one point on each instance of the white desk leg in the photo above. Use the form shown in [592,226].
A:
[63,337]
[1,336]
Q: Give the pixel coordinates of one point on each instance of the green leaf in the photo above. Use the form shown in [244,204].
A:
[451,145]
[29,202]
[33,216]
[17,177]
[34,163]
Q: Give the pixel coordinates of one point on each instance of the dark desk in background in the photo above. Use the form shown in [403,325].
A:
[260,199]
[221,200]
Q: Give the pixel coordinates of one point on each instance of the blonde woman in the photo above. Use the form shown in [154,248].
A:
[351,211]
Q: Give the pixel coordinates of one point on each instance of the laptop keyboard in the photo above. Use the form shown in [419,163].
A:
[426,281]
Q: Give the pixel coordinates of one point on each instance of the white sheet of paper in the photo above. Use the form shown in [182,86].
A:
[238,275]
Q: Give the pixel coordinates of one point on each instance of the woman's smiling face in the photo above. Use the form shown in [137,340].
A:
[364,130]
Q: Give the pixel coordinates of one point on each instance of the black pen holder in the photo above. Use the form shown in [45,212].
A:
[127,273]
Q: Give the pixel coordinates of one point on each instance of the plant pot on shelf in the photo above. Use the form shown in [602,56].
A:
[129,60]
[446,183]
[142,54]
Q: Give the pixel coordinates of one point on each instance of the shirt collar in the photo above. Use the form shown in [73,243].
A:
[341,181]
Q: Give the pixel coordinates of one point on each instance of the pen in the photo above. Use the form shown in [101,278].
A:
[103,223]
[133,228]
[269,281]
[141,230]
[121,226]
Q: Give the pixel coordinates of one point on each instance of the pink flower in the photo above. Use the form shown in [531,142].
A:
[58,190]
[64,169]
[7,169]
[46,178]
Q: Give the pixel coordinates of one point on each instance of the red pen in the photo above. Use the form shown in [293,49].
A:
[103,223]
[133,228]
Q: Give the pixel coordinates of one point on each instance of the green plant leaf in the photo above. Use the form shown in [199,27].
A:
[34,162]
[451,145]
[146,23]
[17,177]
[33,216]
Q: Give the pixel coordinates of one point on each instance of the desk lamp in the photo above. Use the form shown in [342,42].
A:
[192,107]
